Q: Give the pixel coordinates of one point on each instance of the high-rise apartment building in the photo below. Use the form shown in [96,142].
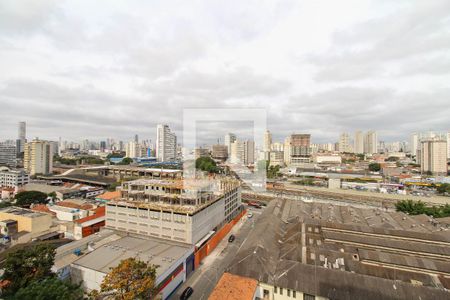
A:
[229,139]
[371,142]
[344,143]
[267,141]
[414,144]
[359,142]
[166,144]
[8,155]
[38,158]
[433,156]
[134,150]
[297,148]
[277,146]
[243,152]
[219,152]
[21,137]
[448,145]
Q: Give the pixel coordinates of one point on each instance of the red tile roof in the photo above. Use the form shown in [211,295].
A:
[234,287]
[109,195]
[42,208]
[99,212]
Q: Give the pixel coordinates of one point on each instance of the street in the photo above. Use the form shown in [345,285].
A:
[204,279]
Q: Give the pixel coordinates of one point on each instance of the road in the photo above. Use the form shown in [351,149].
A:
[204,279]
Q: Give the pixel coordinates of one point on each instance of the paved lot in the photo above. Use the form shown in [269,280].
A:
[204,279]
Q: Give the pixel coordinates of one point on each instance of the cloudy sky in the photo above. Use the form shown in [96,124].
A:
[97,69]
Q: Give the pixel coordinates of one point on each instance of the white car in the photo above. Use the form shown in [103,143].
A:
[249,215]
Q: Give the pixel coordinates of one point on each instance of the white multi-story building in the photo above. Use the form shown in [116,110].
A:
[448,145]
[229,139]
[371,142]
[8,155]
[243,152]
[267,141]
[13,178]
[433,156]
[344,143]
[38,157]
[166,144]
[179,210]
[277,146]
[359,142]
[134,149]
[414,144]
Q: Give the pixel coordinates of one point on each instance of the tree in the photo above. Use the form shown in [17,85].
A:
[206,164]
[27,198]
[126,161]
[392,158]
[374,167]
[444,188]
[27,265]
[131,279]
[50,288]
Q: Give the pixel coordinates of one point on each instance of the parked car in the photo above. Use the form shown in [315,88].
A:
[187,293]
[231,238]
[249,215]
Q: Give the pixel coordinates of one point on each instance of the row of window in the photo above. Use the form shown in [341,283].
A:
[290,293]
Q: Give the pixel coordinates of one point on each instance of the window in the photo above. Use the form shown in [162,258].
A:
[281,291]
[275,290]
[294,294]
[265,293]
[308,297]
[288,292]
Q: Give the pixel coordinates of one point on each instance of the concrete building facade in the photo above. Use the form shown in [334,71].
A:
[433,158]
[8,155]
[13,178]
[38,158]
[174,210]
[166,144]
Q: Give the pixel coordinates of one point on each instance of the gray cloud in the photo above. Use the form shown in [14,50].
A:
[81,70]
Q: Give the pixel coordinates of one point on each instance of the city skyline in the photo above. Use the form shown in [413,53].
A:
[359,70]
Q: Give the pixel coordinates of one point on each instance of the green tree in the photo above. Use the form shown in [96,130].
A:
[27,265]
[206,164]
[131,279]
[50,288]
[374,167]
[126,161]
[392,158]
[27,198]
[444,188]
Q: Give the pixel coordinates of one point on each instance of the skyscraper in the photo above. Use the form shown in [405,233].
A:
[229,139]
[297,148]
[448,145]
[267,141]
[359,142]
[344,143]
[166,144]
[243,152]
[38,158]
[371,142]
[433,152]
[21,137]
[414,144]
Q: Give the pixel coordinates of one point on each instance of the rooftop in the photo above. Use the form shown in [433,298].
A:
[234,287]
[109,195]
[18,211]
[291,247]
[155,251]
